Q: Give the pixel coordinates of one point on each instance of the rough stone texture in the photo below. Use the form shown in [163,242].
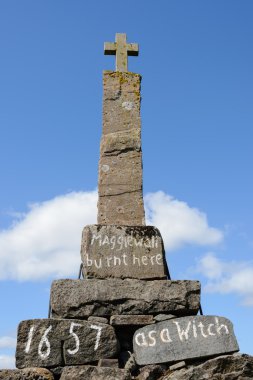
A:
[26,374]
[163,317]
[123,252]
[120,166]
[54,343]
[94,373]
[184,338]
[151,372]
[178,365]
[83,298]
[229,367]
[98,320]
[131,320]
[108,363]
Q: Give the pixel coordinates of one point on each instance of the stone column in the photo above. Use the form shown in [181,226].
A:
[120,166]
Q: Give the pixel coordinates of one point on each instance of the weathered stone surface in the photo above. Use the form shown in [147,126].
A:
[108,363]
[83,298]
[123,252]
[178,365]
[54,343]
[131,320]
[26,374]
[228,367]
[94,373]
[120,166]
[184,338]
[98,320]
[151,372]
[163,317]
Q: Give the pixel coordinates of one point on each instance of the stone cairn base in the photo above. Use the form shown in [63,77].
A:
[121,328]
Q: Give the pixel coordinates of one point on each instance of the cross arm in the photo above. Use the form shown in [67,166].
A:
[133,49]
[110,48]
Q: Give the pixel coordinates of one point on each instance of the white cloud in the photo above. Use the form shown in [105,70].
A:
[45,241]
[179,223]
[7,362]
[7,342]
[228,277]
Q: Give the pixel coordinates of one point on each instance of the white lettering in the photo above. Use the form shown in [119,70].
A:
[183,333]
[108,259]
[44,341]
[194,329]
[153,340]
[106,240]
[144,260]
[116,260]
[209,329]
[219,327]
[143,341]
[124,259]
[138,243]
[120,241]
[159,259]
[201,326]
[113,242]
[29,340]
[88,261]
[165,336]
[99,264]
[99,330]
[77,341]
[136,259]
[96,237]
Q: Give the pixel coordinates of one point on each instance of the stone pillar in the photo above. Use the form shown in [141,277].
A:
[120,166]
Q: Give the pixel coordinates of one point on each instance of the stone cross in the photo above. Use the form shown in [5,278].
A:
[121,49]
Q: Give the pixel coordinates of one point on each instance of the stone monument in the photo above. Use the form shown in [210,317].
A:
[126,319]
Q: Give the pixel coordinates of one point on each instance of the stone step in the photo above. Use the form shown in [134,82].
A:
[84,298]
[55,343]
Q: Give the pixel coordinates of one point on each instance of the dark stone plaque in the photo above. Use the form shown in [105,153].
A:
[184,338]
[53,343]
[123,252]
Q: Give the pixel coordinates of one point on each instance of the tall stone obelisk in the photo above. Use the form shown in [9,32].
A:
[120,166]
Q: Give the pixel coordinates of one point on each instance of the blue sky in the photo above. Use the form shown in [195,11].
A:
[196,60]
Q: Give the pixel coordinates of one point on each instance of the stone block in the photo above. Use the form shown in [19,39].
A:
[98,320]
[83,298]
[123,252]
[122,209]
[120,166]
[163,317]
[113,363]
[120,174]
[131,320]
[54,343]
[184,338]
[26,374]
[94,373]
[227,367]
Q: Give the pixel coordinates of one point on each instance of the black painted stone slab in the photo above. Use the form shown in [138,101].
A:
[53,343]
[123,252]
[184,338]
[83,298]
